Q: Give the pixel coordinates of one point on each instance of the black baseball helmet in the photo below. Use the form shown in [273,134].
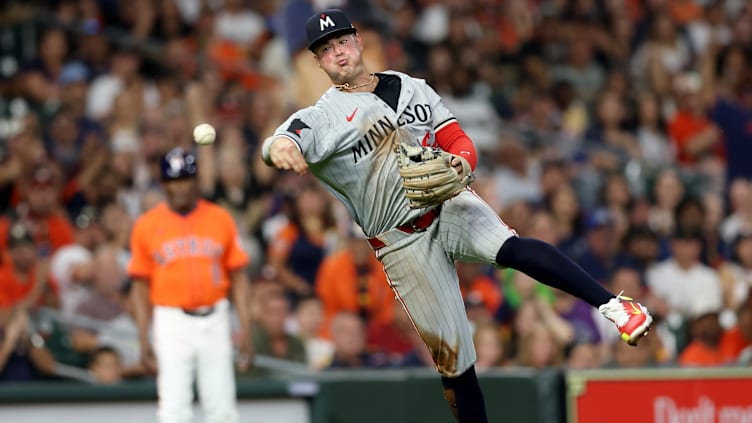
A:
[178,163]
[325,24]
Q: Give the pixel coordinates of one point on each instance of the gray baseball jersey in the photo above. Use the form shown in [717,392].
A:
[344,138]
[348,139]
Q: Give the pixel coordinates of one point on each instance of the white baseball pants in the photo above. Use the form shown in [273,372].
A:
[200,348]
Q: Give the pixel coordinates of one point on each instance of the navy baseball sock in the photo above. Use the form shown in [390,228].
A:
[547,264]
[465,397]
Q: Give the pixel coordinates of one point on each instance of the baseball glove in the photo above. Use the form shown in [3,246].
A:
[428,176]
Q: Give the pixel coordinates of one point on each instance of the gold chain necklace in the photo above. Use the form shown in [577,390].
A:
[346,86]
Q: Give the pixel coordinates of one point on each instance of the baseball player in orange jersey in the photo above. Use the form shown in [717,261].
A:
[187,257]
[345,140]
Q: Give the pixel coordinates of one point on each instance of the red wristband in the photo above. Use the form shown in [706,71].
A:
[452,139]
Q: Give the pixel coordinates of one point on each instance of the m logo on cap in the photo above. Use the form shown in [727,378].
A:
[325,22]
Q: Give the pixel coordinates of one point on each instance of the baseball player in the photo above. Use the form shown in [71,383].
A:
[186,255]
[356,140]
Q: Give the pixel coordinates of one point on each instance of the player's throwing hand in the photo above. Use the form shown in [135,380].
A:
[284,154]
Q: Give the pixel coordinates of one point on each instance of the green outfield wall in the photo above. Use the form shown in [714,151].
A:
[332,397]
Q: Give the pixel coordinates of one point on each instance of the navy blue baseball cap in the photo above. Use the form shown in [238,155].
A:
[325,24]
[598,218]
[74,72]
[178,164]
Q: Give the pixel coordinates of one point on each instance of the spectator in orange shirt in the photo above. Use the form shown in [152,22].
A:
[695,137]
[353,280]
[739,337]
[23,276]
[476,287]
[40,210]
[705,334]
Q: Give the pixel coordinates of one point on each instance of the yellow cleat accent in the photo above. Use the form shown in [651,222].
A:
[625,337]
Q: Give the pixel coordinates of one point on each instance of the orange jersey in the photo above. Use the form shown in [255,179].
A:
[12,289]
[186,258]
[337,285]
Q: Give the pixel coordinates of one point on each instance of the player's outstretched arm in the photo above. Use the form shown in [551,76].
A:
[283,153]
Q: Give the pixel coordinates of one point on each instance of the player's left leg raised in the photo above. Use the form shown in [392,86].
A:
[547,264]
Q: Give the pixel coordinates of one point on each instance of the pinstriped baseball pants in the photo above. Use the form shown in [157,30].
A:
[420,268]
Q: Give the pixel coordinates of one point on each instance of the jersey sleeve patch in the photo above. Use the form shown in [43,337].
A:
[297,126]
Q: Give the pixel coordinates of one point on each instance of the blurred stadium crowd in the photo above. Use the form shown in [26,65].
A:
[619,130]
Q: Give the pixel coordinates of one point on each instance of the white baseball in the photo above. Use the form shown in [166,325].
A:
[204,134]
